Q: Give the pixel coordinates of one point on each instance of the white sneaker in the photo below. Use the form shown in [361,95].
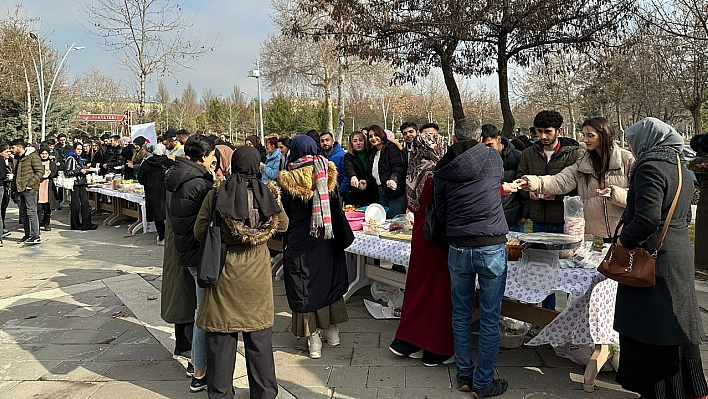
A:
[332,335]
[314,344]
[161,242]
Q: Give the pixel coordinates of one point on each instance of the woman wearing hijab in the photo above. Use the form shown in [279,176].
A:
[151,175]
[314,262]
[357,168]
[659,327]
[242,299]
[253,141]
[699,166]
[427,301]
[47,199]
[80,208]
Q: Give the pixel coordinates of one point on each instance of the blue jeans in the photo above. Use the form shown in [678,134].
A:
[550,301]
[517,228]
[396,206]
[198,336]
[466,264]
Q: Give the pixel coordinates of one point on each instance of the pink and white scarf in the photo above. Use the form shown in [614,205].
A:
[321,213]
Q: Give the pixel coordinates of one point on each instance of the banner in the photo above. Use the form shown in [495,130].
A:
[146,130]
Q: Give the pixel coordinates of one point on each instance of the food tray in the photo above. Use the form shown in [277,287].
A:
[550,241]
[396,237]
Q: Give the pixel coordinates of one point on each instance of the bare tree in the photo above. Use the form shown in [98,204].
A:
[148,36]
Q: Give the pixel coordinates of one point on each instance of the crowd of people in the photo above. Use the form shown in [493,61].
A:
[479,187]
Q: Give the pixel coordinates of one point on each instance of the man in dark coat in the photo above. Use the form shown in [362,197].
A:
[514,202]
[113,157]
[151,175]
[468,203]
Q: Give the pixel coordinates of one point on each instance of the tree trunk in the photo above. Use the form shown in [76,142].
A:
[696,114]
[340,100]
[328,101]
[503,72]
[453,90]
[620,127]
[141,114]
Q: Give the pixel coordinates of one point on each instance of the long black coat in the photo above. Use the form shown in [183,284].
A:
[514,203]
[189,182]
[666,314]
[354,167]
[152,176]
[392,166]
[315,270]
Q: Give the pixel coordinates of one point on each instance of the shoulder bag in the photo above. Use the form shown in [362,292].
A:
[212,252]
[637,267]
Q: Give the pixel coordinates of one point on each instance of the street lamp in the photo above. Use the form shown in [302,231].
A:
[44,101]
[256,73]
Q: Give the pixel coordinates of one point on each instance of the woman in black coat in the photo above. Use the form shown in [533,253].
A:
[97,158]
[387,171]
[80,208]
[151,175]
[357,171]
[659,327]
[314,262]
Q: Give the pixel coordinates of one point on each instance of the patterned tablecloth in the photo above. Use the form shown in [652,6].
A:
[590,310]
[131,197]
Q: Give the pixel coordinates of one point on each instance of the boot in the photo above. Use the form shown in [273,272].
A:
[332,335]
[314,344]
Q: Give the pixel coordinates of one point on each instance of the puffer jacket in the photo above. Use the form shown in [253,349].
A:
[72,168]
[533,162]
[28,171]
[113,158]
[467,195]
[189,182]
[601,213]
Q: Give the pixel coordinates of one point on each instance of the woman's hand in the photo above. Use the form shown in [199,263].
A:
[362,184]
[262,166]
[354,182]
[84,171]
[391,184]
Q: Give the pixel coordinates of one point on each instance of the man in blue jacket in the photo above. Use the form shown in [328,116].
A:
[467,197]
[335,153]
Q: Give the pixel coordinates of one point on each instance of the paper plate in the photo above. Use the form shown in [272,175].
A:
[376,212]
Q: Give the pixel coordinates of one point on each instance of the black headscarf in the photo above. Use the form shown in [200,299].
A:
[233,194]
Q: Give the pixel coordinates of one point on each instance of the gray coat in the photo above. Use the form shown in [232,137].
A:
[666,314]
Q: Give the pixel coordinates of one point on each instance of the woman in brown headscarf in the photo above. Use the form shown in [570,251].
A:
[254,142]
[428,300]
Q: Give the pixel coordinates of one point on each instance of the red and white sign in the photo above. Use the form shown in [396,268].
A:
[100,117]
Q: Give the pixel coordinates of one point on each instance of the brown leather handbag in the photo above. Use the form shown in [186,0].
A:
[637,267]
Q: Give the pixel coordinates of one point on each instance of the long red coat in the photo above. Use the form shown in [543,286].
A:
[426,316]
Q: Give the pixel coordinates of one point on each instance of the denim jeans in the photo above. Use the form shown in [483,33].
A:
[489,265]
[550,301]
[396,206]
[199,336]
[517,228]
[27,202]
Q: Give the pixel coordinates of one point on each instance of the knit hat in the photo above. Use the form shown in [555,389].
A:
[149,148]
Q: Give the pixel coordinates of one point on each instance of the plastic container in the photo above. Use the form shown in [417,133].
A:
[512,332]
[370,229]
[538,270]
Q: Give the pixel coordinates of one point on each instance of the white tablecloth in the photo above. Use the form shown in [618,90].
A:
[131,197]
[590,309]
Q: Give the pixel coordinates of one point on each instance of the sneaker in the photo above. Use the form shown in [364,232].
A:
[47,228]
[464,383]
[161,242]
[23,239]
[6,233]
[404,349]
[497,387]
[33,241]
[198,384]
[332,335]
[314,345]
[432,359]
[92,227]
[190,369]
[178,354]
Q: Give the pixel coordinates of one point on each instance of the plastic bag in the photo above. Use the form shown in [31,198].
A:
[574,217]
[392,295]
[579,354]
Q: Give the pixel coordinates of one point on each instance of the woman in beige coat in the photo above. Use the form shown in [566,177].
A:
[601,177]
[242,299]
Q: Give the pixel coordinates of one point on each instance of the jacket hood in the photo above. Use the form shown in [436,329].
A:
[275,155]
[28,151]
[336,150]
[508,147]
[469,160]
[567,144]
[183,171]
[300,182]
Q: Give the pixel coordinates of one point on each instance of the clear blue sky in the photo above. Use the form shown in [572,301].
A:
[239,25]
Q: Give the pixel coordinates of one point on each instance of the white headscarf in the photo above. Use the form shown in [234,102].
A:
[159,149]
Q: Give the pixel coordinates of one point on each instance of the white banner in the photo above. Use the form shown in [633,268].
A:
[146,130]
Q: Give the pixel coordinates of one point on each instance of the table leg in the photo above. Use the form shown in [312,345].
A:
[115,212]
[360,280]
[597,360]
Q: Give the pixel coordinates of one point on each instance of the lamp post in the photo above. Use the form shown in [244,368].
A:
[256,73]
[44,100]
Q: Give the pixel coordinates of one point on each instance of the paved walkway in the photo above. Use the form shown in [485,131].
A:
[80,318]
